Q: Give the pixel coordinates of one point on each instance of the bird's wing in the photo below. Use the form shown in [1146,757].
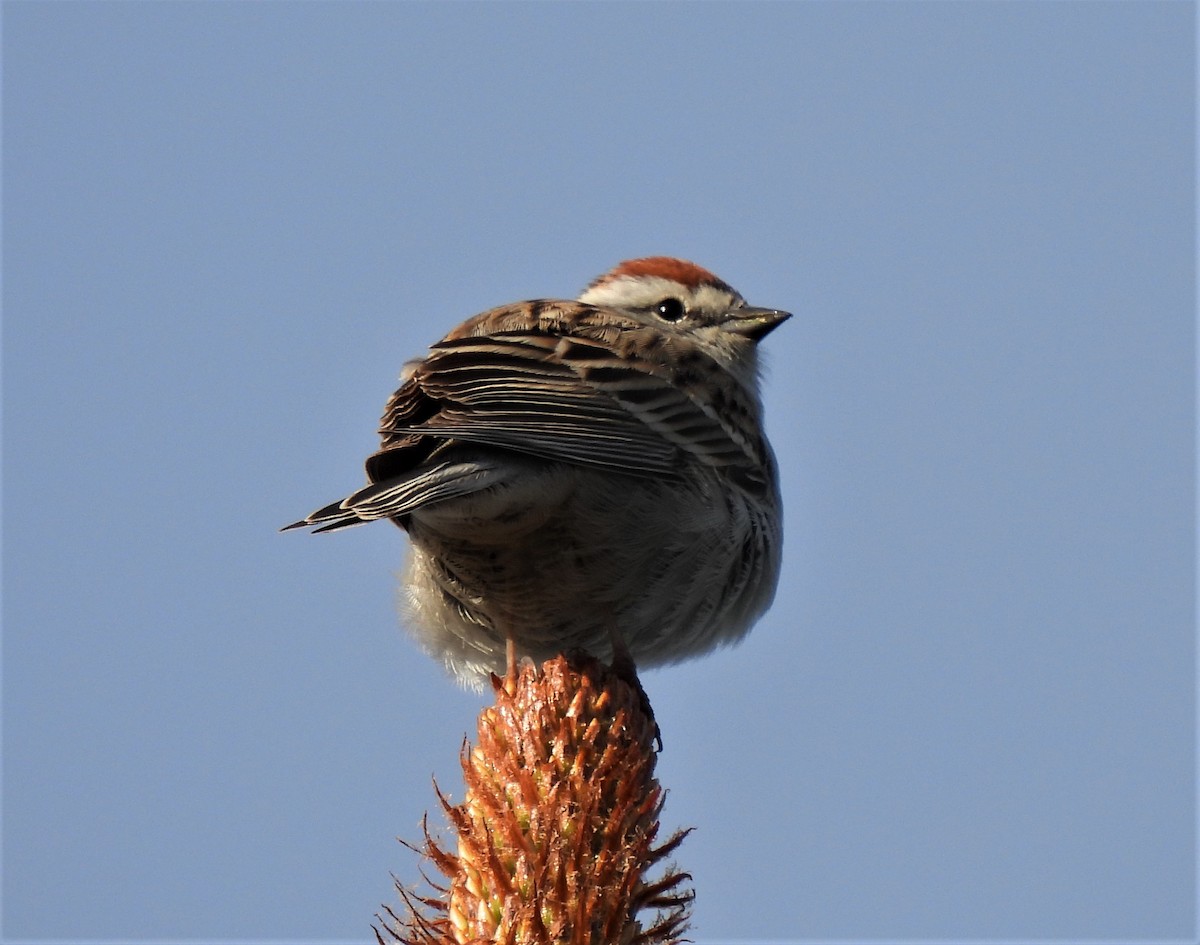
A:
[567,381]
[559,380]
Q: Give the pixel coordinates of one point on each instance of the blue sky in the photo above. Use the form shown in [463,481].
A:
[971,711]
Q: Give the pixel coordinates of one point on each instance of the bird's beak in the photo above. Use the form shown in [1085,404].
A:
[755,323]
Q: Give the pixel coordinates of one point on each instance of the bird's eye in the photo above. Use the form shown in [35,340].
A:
[670,310]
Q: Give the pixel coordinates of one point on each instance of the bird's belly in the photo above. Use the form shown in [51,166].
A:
[561,561]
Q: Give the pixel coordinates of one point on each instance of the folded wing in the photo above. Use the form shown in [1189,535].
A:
[559,380]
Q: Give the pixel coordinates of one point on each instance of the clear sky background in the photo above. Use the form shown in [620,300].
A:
[971,711]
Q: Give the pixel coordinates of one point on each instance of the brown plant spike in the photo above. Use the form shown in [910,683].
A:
[556,833]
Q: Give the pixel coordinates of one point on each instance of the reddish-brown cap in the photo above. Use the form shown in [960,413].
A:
[666,267]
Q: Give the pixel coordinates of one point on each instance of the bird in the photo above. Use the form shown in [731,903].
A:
[583,475]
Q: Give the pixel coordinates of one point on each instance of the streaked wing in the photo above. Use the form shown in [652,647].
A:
[565,381]
[561,380]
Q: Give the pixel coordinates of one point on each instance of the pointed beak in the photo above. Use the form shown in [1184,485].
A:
[755,323]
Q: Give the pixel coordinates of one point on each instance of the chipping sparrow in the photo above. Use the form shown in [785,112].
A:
[587,475]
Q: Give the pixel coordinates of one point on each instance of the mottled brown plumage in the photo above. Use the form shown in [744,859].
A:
[571,471]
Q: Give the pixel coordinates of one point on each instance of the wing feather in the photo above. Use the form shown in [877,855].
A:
[564,381]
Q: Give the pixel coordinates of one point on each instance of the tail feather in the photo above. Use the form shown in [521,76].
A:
[330,518]
[402,494]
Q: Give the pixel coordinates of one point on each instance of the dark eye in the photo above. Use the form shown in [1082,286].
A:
[670,310]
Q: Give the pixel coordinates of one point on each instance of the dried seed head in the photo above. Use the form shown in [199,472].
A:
[556,832]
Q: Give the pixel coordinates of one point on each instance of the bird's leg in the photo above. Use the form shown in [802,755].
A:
[625,669]
[509,682]
[510,655]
